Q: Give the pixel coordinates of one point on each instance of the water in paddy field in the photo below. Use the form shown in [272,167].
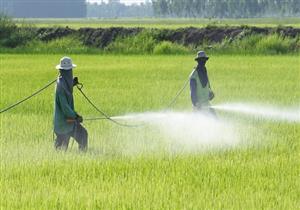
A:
[262,111]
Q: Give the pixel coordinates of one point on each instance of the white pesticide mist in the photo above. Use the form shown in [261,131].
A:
[193,132]
[291,115]
[186,131]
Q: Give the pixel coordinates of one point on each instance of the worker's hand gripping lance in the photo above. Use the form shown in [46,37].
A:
[77,83]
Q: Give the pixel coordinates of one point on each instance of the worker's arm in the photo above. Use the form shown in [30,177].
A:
[65,107]
[193,87]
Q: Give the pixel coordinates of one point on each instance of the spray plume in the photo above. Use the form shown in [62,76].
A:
[183,131]
[193,132]
[262,111]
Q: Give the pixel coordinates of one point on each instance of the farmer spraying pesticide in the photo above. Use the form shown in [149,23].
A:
[66,120]
[201,92]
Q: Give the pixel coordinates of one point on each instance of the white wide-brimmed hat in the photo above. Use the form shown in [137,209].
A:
[65,64]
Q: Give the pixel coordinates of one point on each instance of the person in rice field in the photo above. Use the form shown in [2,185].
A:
[67,122]
[201,93]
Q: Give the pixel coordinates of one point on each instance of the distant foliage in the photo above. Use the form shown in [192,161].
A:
[151,8]
[276,44]
[167,48]
[28,39]
[259,44]
[12,36]
[144,42]
[63,45]
[115,9]
[226,8]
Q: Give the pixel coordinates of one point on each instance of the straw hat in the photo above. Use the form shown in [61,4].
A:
[65,64]
[201,54]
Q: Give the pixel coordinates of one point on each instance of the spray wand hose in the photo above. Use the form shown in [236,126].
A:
[27,98]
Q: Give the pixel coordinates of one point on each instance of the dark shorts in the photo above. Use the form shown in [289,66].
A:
[79,133]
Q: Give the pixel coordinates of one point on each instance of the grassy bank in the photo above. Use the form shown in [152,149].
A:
[159,41]
[135,168]
[145,43]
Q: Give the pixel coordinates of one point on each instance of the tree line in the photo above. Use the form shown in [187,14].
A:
[226,8]
[152,8]
[114,8]
[197,8]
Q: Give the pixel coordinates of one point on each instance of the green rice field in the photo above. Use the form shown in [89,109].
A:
[145,167]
